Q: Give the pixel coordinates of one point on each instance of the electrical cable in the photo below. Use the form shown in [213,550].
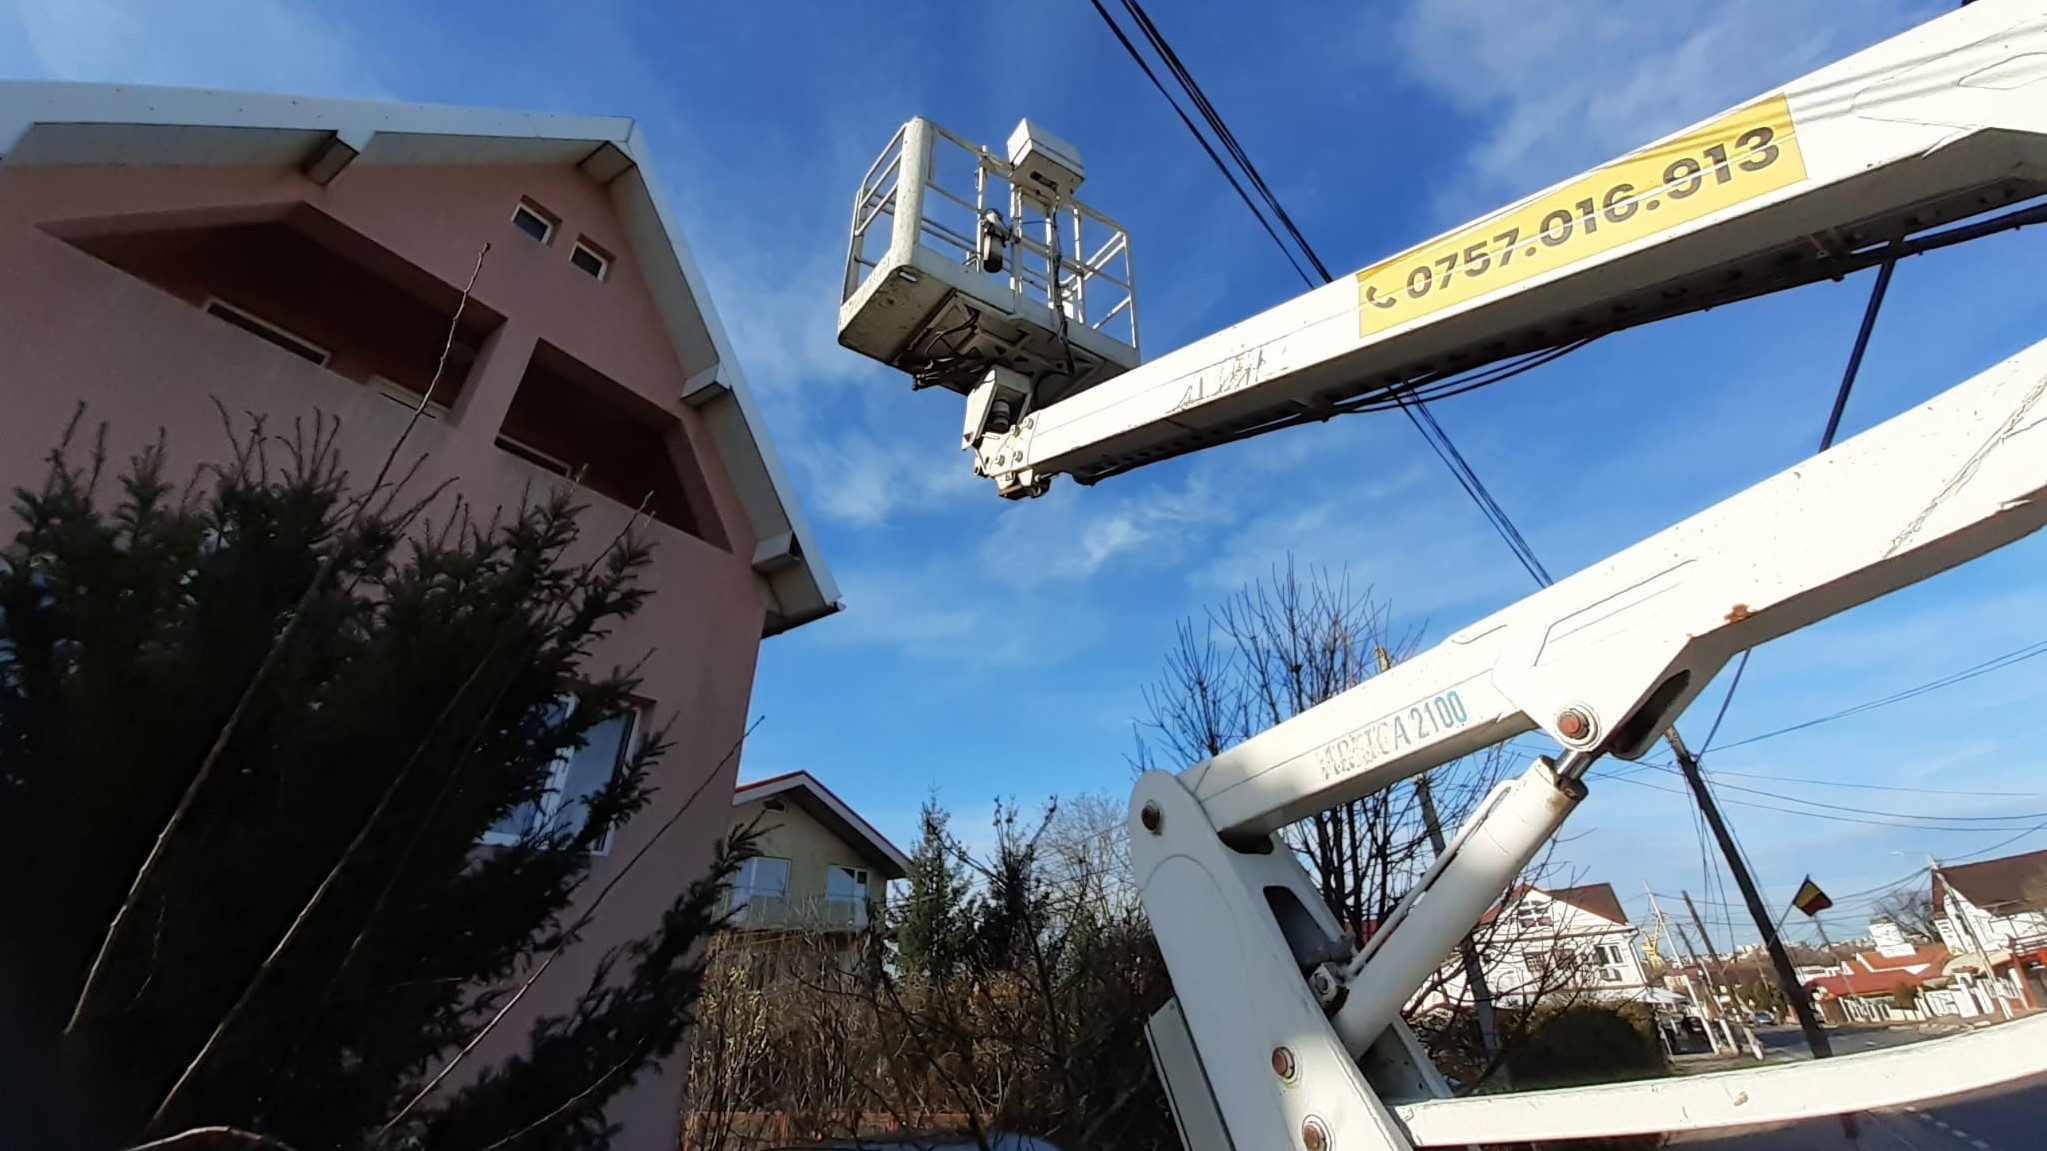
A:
[2001,844]
[1222,131]
[1909,817]
[1995,663]
[1833,426]
[1871,811]
[1424,422]
[1203,140]
[1926,825]
[1806,780]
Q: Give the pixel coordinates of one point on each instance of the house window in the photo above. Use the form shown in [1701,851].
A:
[533,222]
[587,257]
[845,894]
[575,775]
[264,329]
[1611,963]
[762,883]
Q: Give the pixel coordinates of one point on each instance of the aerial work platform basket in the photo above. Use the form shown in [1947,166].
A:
[962,260]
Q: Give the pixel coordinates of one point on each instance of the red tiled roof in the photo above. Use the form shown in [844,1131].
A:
[1597,898]
[1999,886]
[1922,953]
[1873,974]
[1857,983]
[1505,902]
[826,806]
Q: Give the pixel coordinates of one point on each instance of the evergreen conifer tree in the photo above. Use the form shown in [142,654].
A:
[936,918]
[415,703]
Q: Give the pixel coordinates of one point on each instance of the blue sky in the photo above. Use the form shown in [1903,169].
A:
[995,649]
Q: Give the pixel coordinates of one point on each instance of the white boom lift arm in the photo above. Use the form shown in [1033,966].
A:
[1285,1034]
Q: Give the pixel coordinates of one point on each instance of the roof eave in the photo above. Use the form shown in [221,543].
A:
[325,135]
[882,847]
[796,582]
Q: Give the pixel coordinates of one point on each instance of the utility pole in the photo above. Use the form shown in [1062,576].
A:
[1691,959]
[1718,971]
[1710,1008]
[1961,916]
[1787,978]
[1474,970]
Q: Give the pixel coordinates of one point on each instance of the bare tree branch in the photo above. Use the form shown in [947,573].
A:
[569,936]
[271,658]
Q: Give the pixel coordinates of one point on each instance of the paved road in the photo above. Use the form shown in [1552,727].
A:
[1845,1041]
[2012,1118]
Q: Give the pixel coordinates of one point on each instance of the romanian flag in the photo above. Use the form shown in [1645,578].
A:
[1810,899]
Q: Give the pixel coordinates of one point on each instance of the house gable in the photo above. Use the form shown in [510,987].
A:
[320,143]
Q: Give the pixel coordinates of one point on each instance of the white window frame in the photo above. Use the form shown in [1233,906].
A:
[586,248]
[539,213]
[283,336]
[858,903]
[557,776]
[1614,970]
[743,894]
[398,393]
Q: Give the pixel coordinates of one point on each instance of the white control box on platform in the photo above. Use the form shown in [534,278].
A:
[1043,164]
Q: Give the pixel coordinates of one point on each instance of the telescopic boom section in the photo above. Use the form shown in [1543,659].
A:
[1605,659]
[1940,124]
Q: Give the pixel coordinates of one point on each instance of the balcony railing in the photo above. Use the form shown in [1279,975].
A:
[804,913]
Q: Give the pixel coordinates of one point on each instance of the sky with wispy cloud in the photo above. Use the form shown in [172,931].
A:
[993,649]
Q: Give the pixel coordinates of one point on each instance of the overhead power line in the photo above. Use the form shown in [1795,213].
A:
[1158,42]
[1201,139]
[1878,819]
[1467,477]
[1274,219]
[1995,663]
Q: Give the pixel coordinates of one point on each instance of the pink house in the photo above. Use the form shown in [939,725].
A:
[164,248]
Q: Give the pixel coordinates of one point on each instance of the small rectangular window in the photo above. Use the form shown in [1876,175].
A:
[257,326]
[533,222]
[590,259]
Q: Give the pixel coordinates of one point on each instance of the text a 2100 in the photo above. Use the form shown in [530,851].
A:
[1739,156]
[1419,724]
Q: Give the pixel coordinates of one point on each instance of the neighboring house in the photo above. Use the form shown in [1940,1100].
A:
[1876,986]
[822,871]
[1539,942]
[162,250]
[2003,904]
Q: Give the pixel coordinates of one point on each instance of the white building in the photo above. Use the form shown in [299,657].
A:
[1546,942]
[2001,904]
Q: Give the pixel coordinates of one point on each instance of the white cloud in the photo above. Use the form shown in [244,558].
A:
[948,612]
[264,45]
[1573,83]
[1073,533]
[1394,523]
[862,477]
[781,306]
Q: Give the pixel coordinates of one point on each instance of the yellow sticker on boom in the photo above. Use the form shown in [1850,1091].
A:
[1739,156]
